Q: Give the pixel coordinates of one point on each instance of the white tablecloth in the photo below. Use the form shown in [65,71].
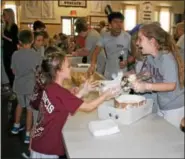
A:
[150,137]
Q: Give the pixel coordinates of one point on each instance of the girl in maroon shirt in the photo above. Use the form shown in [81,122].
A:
[56,103]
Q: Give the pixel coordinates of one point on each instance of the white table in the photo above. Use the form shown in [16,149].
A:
[150,137]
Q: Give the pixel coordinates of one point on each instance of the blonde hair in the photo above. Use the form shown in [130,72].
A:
[180,26]
[165,43]
[11,14]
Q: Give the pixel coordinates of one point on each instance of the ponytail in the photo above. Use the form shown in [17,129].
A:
[46,74]
[174,50]
[39,76]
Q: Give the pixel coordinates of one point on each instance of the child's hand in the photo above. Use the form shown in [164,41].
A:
[86,88]
[111,93]
[74,90]
[141,87]
[90,86]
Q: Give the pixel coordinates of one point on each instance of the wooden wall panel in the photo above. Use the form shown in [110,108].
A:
[52,28]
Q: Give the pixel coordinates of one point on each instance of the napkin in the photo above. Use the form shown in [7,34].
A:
[103,127]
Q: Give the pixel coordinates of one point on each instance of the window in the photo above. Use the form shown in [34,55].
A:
[13,7]
[130,13]
[164,18]
[156,16]
[74,27]
[66,26]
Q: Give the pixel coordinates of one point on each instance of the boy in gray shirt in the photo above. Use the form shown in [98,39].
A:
[24,62]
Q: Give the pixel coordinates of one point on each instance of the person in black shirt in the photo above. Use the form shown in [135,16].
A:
[39,26]
[10,41]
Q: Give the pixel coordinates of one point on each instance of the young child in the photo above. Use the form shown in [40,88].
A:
[55,106]
[167,70]
[39,84]
[24,62]
[38,44]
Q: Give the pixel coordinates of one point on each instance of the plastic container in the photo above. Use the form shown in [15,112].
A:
[125,116]
[129,100]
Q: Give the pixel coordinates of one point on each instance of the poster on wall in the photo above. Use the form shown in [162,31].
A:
[72,3]
[96,6]
[32,9]
[146,9]
[47,9]
[38,9]
[99,6]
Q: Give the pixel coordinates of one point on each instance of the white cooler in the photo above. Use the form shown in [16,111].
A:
[124,116]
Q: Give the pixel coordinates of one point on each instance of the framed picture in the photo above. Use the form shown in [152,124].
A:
[72,3]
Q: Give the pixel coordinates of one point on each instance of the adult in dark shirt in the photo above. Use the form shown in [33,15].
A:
[10,41]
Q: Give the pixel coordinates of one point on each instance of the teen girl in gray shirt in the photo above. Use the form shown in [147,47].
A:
[167,70]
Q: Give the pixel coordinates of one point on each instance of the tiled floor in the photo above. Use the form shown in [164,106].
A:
[11,145]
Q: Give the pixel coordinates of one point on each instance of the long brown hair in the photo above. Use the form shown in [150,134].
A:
[11,14]
[165,43]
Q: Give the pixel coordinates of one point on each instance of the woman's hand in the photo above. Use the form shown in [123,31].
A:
[7,38]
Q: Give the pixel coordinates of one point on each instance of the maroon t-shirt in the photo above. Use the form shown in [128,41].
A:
[55,106]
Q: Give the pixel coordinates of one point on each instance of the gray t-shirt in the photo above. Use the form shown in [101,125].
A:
[90,44]
[114,46]
[24,62]
[163,69]
[40,51]
[103,31]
